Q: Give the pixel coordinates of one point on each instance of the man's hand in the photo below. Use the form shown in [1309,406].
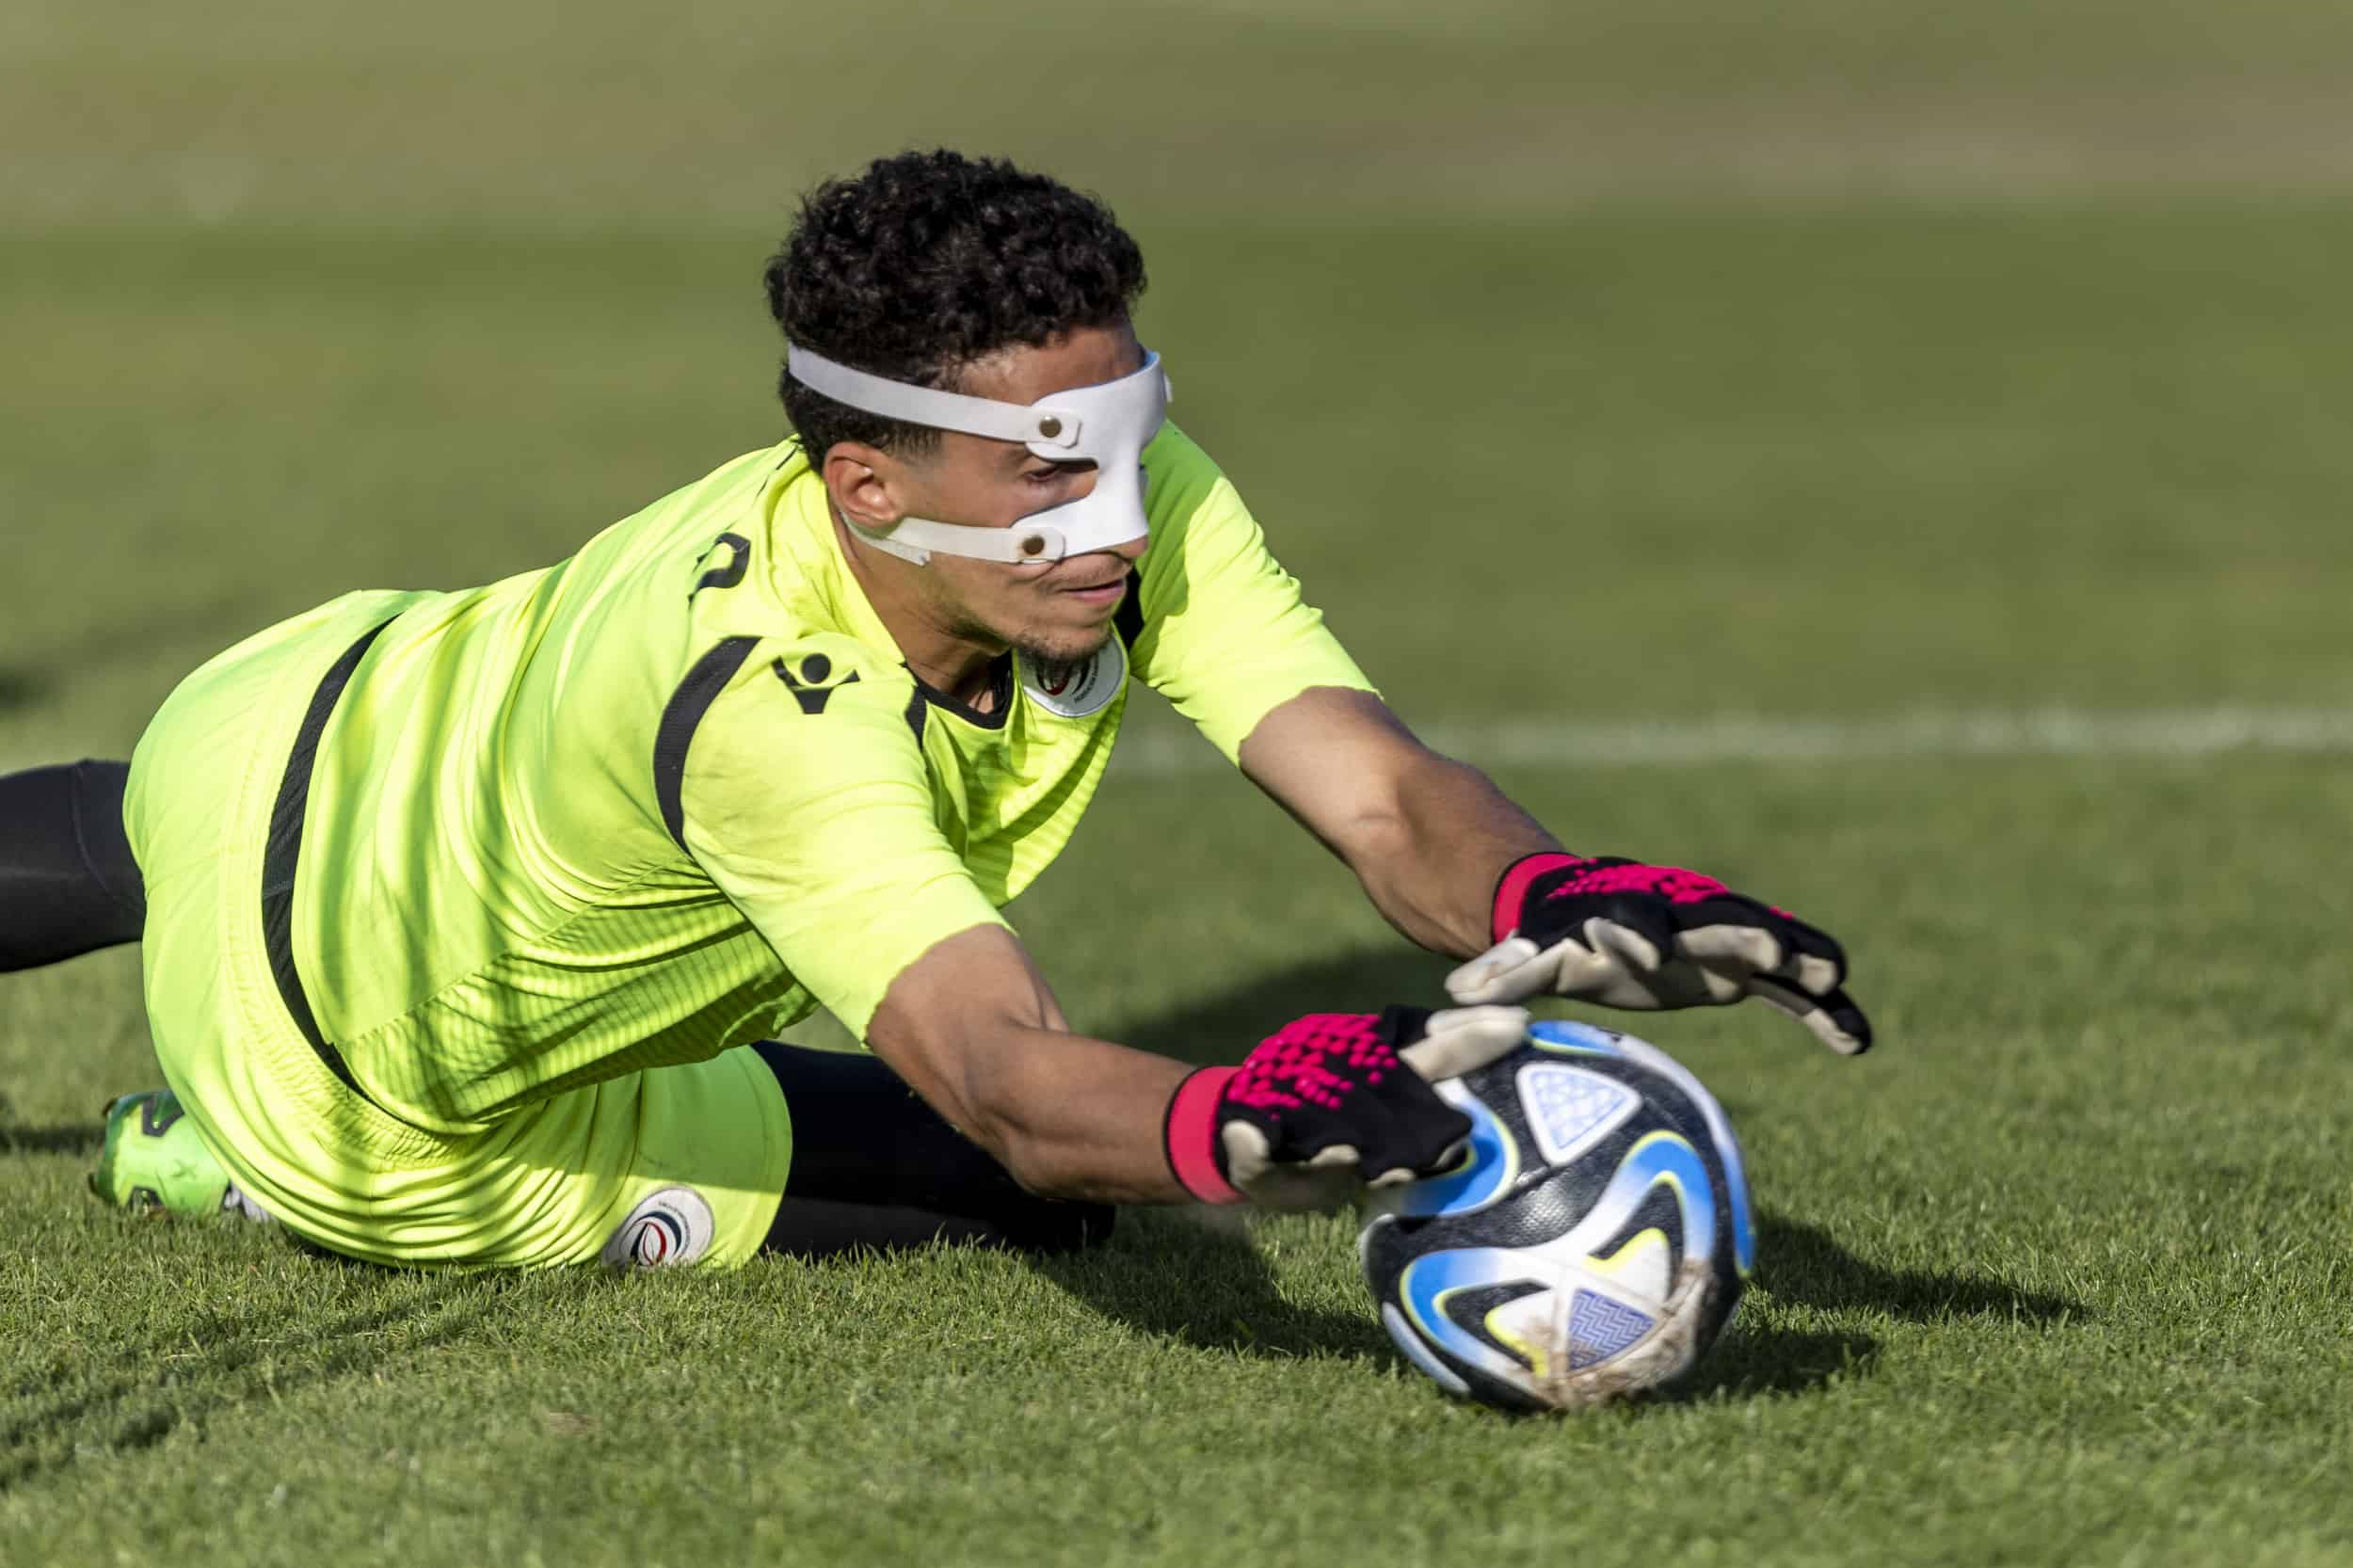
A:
[1628,935]
[1332,1103]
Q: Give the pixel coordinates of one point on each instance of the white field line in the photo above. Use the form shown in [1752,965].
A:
[1736,738]
[1730,738]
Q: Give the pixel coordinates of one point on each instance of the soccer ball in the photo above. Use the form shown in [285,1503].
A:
[1591,1242]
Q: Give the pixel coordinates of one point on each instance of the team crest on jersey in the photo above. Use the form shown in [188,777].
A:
[1076,691]
[673,1226]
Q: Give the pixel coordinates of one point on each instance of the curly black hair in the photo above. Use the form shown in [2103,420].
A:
[928,260]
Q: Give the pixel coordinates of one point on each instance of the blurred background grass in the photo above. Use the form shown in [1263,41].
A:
[1817,358]
[534,113]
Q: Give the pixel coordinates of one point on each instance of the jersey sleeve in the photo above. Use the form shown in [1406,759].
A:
[805,798]
[1227,637]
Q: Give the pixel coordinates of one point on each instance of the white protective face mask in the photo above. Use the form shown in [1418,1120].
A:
[1108,425]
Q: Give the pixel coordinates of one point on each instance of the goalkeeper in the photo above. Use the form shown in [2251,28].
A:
[470,918]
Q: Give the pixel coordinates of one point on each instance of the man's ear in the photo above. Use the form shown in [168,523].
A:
[865,482]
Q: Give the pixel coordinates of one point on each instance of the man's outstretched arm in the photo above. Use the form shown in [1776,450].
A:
[1427,836]
[1324,1106]
[818,824]
[1459,869]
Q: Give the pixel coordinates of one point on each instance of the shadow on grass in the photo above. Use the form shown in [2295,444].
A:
[1211,1288]
[51,1140]
[1802,1263]
[21,688]
[1757,1363]
[1222,1025]
[207,1366]
[1207,1286]
[1204,1283]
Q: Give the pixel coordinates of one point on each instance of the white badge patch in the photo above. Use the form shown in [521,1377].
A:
[1075,691]
[673,1226]
[235,1202]
[1571,1109]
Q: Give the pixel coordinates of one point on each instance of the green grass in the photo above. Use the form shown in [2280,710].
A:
[1605,363]
[2057,1277]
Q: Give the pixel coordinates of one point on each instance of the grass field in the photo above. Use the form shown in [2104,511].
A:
[1602,369]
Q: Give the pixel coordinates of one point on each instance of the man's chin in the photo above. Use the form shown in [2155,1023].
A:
[1040,646]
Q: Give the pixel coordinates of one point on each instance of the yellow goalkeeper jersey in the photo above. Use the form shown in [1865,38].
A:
[674,793]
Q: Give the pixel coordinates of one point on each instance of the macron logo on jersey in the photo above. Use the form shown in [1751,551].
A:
[812,689]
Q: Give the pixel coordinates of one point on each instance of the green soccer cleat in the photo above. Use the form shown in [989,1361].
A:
[154,1161]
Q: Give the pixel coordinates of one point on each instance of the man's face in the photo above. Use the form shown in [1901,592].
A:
[1059,611]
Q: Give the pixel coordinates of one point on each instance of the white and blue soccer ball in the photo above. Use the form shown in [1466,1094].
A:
[1592,1243]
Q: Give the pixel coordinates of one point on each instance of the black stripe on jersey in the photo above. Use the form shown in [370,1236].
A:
[1128,618]
[917,711]
[683,717]
[284,848]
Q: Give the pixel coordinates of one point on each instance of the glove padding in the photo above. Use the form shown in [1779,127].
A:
[1640,936]
[1331,1104]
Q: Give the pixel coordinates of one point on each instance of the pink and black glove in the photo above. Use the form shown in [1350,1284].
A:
[1628,935]
[1332,1103]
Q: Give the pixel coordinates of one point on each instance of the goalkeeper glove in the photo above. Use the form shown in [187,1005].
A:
[1628,935]
[1331,1104]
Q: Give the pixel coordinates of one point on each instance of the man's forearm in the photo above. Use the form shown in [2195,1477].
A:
[1427,836]
[1430,864]
[974,1030]
[1424,834]
[1079,1119]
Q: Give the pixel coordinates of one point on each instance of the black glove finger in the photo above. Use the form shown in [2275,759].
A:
[1807,954]
[1833,1019]
[1728,931]
[1826,971]
[1841,1010]
[1811,956]
[1848,1017]
[1646,916]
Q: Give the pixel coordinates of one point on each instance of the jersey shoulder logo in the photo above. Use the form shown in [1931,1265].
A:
[733,553]
[811,679]
[1081,690]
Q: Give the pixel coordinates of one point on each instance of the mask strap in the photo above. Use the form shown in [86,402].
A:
[1032,424]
